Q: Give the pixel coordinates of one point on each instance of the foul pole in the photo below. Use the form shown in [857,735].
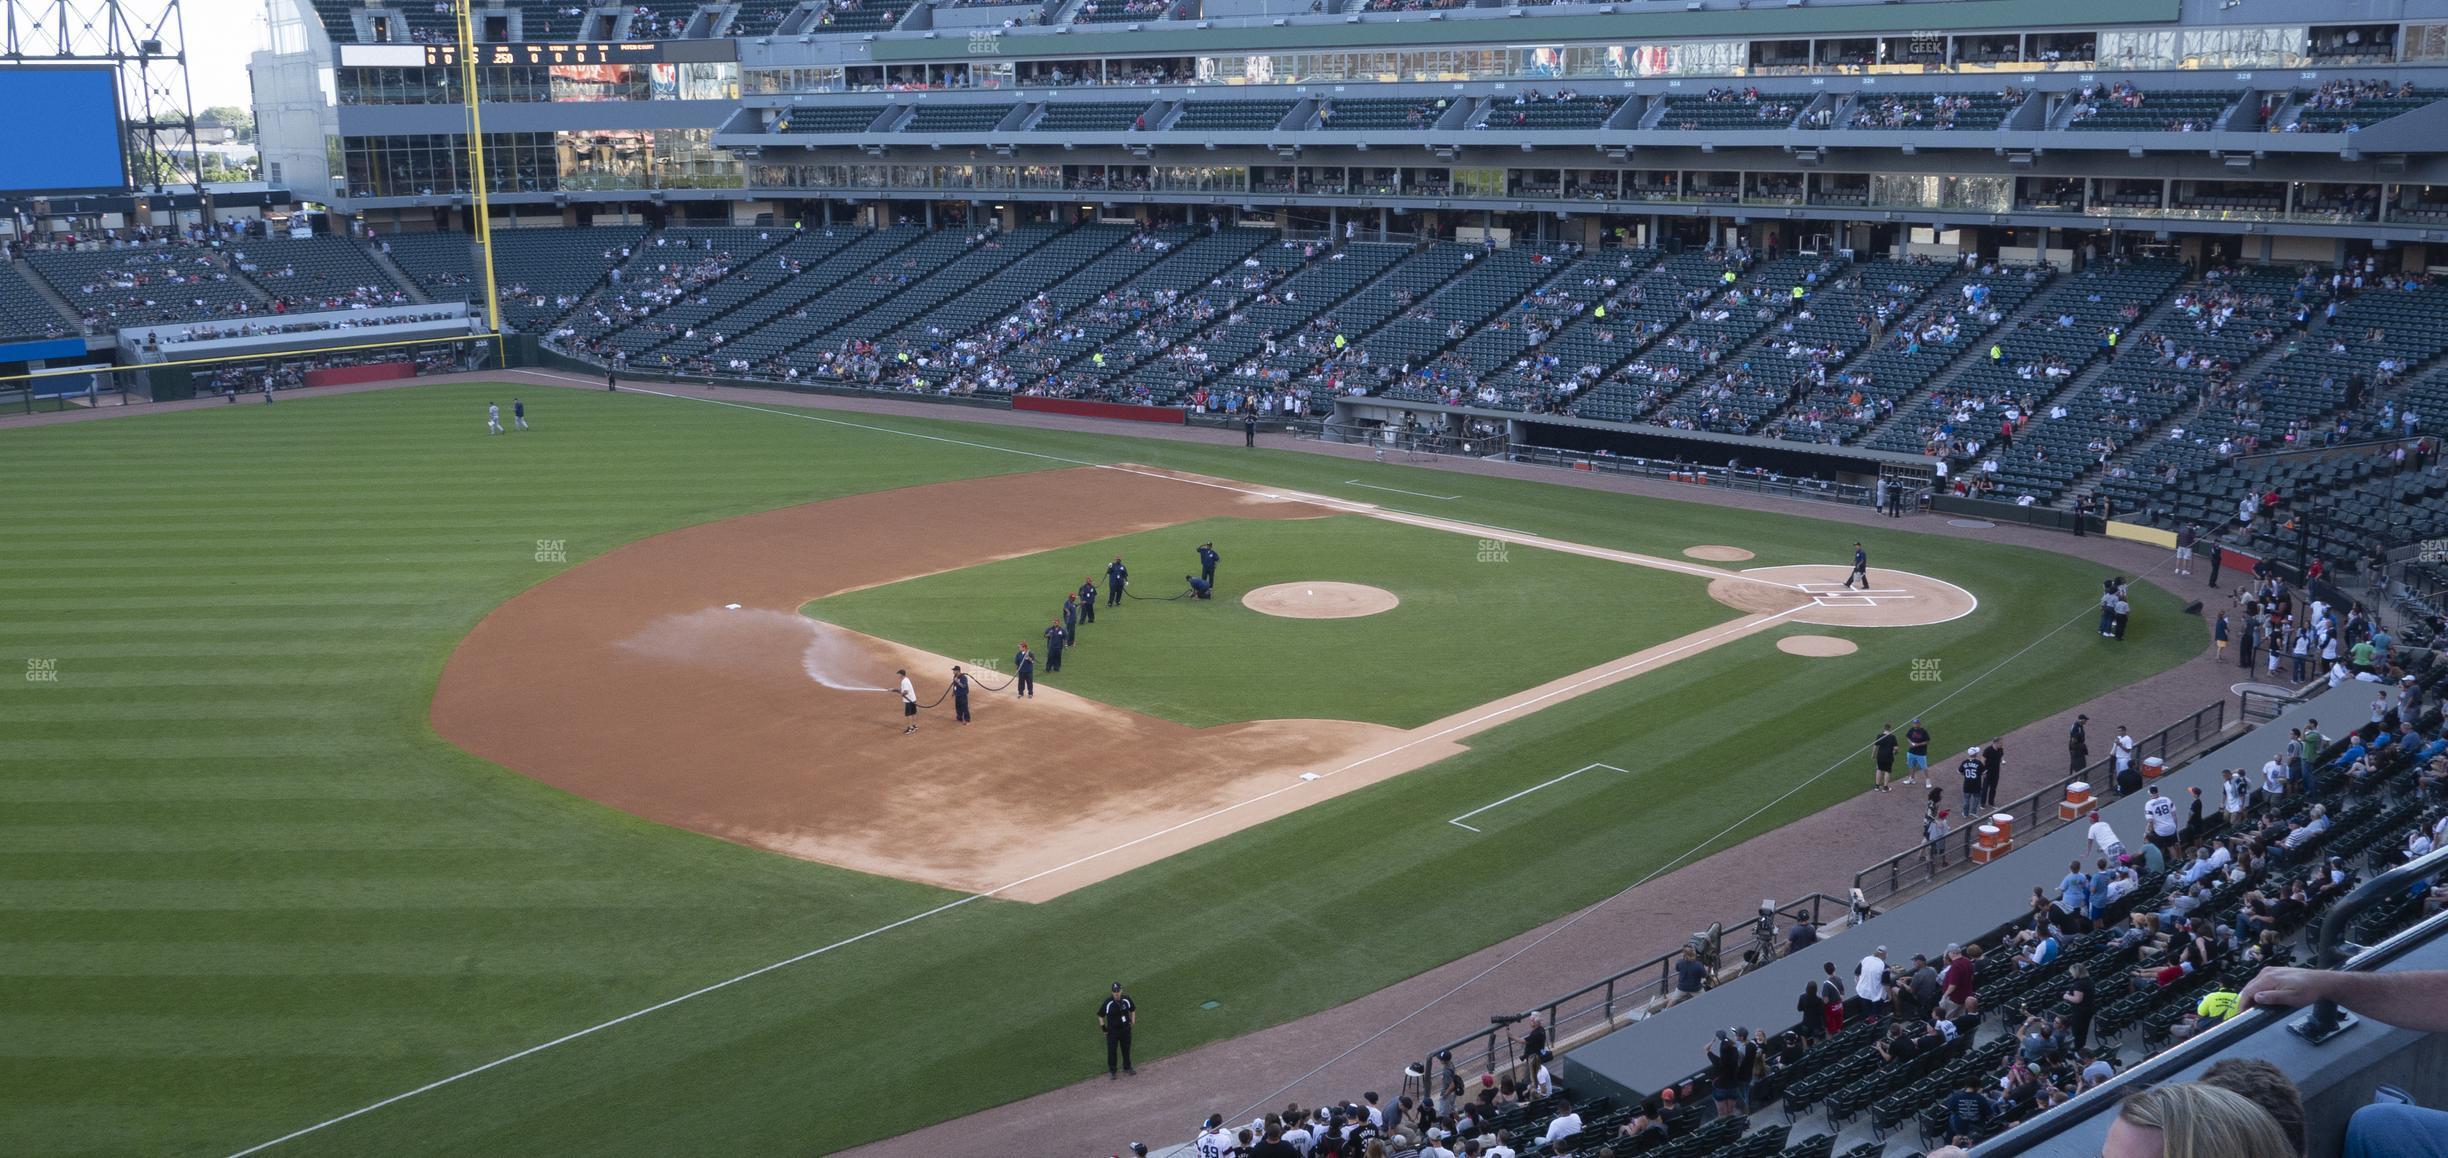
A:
[482,228]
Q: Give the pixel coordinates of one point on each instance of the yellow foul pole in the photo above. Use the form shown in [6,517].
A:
[482,227]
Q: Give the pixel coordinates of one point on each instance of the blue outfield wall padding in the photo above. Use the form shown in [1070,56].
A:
[42,350]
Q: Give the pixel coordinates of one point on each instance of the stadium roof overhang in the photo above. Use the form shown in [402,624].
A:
[1315,33]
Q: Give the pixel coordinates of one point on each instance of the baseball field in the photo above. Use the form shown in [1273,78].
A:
[378,786]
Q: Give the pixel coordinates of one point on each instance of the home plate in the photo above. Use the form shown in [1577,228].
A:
[730,606]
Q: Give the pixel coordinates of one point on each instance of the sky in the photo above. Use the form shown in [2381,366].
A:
[221,34]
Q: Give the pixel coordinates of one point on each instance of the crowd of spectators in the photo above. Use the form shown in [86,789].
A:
[1938,111]
[2127,95]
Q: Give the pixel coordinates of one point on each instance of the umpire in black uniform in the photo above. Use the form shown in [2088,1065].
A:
[1116,576]
[1117,1017]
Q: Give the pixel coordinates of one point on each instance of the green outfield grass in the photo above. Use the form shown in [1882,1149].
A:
[244,887]
[1474,624]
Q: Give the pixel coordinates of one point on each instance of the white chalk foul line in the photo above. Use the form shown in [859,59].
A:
[1353,482]
[1742,625]
[1653,874]
[1430,522]
[1457,821]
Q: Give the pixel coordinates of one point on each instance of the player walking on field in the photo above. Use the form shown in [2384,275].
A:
[493,418]
[1861,569]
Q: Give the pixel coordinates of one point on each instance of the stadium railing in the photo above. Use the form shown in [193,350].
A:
[1747,481]
[2260,707]
[1634,990]
[2167,1064]
[1915,869]
[1750,481]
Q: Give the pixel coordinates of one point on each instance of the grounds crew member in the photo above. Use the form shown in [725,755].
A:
[960,694]
[1026,665]
[909,703]
[1054,646]
[1117,1017]
[1207,562]
[1070,618]
[1116,576]
[1087,598]
[1199,588]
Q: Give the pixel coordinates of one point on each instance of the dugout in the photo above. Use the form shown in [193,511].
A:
[1636,447]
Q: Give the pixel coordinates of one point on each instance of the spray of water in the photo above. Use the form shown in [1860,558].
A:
[828,656]
[753,638]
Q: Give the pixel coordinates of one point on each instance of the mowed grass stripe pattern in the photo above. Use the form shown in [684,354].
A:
[220,930]
[242,613]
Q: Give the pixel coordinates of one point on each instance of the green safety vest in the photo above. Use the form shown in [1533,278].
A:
[1797,293]
[1995,353]
[1601,311]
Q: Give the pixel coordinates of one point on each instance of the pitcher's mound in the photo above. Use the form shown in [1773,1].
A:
[1320,600]
[1716,554]
[1816,645]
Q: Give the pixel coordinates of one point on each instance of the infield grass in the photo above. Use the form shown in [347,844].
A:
[244,888]
[1475,623]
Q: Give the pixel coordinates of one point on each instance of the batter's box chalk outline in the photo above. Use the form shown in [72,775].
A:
[1457,821]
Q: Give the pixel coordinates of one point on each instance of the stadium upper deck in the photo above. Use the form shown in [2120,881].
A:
[2162,114]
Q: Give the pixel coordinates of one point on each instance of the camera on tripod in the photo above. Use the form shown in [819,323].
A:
[1506,1018]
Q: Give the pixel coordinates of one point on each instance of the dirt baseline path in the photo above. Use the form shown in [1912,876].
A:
[675,679]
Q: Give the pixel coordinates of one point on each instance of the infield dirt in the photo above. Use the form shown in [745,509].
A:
[632,680]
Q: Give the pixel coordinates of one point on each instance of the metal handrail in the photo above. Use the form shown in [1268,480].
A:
[1916,867]
[1635,987]
[1738,479]
[2247,713]
[2160,1067]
